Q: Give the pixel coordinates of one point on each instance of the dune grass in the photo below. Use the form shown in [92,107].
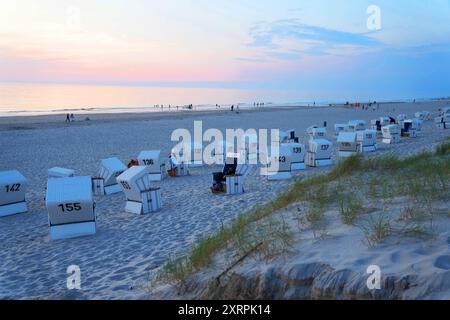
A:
[421,177]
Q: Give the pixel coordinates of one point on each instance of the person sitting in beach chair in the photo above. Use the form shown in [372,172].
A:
[219,178]
[132,163]
[173,166]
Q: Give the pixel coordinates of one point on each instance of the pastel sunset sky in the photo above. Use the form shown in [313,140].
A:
[319,45]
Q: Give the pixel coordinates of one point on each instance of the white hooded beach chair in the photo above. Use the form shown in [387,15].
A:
[367,140]
[156,167]
[340,127]
[234,183]
[400,118]
[443,121]
[410,127]
[189,153]
[385,121]
[347,144]
[316,132]
[356,125]
[391,134]
[110,169]
[70,207]
[278,165]
[422,115]
[141,197]
[12,193]
[283,137]
[446,116]
[319,153]
[298,152]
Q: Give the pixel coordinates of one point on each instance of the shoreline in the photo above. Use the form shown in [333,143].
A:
[25,121]
[9,122]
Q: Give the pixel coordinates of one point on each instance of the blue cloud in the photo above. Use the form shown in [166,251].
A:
[320,39]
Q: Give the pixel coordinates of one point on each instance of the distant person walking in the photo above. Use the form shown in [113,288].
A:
[67,118]
[232,108]
[72,117]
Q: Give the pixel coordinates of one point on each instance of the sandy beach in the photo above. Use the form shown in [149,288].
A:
[121,259]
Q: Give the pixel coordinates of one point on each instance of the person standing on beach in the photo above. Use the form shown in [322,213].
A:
[232,108]
[67,118]
[72,117]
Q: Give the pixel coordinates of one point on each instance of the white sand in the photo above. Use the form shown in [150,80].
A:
[118,261]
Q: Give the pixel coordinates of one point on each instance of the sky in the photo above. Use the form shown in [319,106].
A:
[317,45]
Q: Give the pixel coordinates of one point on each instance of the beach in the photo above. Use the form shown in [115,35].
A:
[120,261]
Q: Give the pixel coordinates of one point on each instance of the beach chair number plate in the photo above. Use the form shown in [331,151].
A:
[148,162]
[282,159]
[69,207]
[297,150]
[324,147]
[13,188]
[125,185]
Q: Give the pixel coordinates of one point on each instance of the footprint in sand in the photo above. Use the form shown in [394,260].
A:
[442,262]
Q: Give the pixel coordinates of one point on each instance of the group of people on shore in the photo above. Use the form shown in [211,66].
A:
[258,104]
[70,118]
[161,106]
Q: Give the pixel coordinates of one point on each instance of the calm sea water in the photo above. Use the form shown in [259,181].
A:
[28,99]
[32,99]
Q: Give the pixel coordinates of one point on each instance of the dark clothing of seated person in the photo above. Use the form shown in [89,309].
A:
[219,177]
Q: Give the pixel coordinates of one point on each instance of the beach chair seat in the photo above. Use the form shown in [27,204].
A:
[12,193]
[141,197]
[71,208]
[110,169]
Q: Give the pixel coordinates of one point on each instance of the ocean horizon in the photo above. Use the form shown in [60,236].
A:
[26,99]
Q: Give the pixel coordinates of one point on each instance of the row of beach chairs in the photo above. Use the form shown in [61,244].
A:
[69,198]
